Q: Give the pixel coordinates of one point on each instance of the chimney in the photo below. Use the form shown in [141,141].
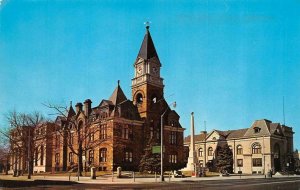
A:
[87,107]
[78,107]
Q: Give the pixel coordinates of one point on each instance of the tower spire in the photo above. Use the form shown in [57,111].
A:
[147,50]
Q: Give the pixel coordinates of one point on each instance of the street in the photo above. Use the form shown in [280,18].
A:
[237,184]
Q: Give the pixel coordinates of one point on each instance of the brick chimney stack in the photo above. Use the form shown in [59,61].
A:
[78,107]
[87,107]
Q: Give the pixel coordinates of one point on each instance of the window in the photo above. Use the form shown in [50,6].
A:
[57,158]
[210,151]
[257,162]
[103,155]
[103,132]
[256,148]
[42,155]
[91,156]
[256,129]
[71,157]
[125,133]
[200,150]
[91,135]
[239,150]
[173,158]
[172,139]
[240,162]
[71,140]
[128,156]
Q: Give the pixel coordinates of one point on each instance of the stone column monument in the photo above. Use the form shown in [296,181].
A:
[192,160]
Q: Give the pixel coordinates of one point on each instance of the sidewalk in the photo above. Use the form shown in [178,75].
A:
[110,180]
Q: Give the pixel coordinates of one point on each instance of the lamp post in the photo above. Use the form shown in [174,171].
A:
[162,142]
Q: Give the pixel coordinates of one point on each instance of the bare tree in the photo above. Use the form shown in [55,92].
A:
[80,132]
[4,154]
[20,137]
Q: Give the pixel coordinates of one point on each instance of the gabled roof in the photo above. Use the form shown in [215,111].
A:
[117,96]
[147,50]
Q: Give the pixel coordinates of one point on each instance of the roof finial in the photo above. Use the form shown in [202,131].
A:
[70,103]
[118,82]
[147,23]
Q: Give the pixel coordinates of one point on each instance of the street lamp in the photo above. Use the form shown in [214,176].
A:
[162,141]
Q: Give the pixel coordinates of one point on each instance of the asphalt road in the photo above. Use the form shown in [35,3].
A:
[244,184]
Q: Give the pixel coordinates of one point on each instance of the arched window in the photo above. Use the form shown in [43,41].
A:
[256,148]
[139,98]
[210,151]
[103,155]
[200,151]
[239,150]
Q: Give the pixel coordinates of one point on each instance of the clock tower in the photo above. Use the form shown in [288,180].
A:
[147,85]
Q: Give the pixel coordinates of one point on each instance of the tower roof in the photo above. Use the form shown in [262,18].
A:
[71,111]
[118,95]
[147,50]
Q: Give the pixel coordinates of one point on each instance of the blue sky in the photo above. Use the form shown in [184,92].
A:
[231,62]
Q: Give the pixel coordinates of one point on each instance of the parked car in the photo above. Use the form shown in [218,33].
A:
[178,174]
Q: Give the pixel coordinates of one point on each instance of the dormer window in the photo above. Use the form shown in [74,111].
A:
[257,129]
